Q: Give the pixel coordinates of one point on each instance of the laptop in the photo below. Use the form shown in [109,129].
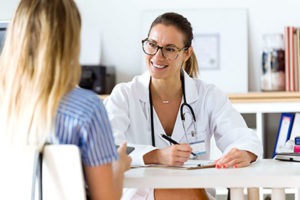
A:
[295,157]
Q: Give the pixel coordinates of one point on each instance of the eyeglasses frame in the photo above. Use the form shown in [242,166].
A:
[161,47]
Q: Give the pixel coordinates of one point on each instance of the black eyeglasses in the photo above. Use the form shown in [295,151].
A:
[168,52]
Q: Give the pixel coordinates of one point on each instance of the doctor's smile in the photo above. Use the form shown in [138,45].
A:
[159,66]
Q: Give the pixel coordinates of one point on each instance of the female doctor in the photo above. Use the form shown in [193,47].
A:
[169,100]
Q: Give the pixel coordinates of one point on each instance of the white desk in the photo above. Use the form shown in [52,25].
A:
[264,173]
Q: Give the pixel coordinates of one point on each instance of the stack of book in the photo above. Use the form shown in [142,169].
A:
[292,58]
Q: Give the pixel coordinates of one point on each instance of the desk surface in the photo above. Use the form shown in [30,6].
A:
[263,173]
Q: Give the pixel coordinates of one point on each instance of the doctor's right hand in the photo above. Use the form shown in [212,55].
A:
[175,155]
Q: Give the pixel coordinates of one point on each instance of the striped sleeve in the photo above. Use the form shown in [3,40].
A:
[98,146]
[82,120]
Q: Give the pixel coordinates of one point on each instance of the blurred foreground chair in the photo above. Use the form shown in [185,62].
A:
[62,175]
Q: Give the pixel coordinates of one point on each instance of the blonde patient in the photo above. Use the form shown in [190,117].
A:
[40,101]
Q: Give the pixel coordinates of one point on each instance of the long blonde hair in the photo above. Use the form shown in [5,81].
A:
[39,64]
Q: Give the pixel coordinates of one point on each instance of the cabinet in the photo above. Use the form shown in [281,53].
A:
[262,112]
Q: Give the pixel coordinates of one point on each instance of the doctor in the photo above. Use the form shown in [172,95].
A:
[168,99]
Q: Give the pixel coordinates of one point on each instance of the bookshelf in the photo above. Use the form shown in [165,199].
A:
[258,109]
[261,106]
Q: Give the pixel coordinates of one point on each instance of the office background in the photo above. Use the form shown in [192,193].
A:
[112,34]
[112,29]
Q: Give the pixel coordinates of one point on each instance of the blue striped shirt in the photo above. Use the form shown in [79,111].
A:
[82,120]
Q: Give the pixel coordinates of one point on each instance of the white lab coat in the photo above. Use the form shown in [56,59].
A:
[128,109]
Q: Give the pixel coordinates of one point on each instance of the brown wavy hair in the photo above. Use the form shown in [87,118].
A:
[183,25]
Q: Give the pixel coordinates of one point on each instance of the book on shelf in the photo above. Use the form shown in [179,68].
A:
[287,60]
[295,64]
[298,55]
[292,57]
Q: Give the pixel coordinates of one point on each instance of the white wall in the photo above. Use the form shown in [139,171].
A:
[118,22]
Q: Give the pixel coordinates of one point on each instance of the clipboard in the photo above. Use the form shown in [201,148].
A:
[189,165]
[199,164]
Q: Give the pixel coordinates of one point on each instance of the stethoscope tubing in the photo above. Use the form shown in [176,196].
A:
[181,107]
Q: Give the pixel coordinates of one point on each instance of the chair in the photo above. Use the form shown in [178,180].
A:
[62,173]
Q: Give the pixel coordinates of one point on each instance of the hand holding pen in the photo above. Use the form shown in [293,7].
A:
[173,141]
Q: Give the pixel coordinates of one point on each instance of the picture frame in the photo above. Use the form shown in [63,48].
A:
[207,50]
[284,131]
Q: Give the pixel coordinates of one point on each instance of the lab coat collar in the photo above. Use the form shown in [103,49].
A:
[191,91]
[143,87]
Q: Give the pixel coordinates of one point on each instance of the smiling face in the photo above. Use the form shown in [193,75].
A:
[159,66]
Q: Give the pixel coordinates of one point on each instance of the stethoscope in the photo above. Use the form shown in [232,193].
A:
[183,105]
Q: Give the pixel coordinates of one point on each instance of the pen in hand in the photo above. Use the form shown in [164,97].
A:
[173,141]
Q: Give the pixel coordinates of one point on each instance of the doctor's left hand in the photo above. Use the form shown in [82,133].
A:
[236,158]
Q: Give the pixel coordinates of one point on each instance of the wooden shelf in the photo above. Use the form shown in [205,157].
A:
[257,97]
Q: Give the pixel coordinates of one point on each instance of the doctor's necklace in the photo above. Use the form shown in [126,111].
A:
[162,100]
[169,101]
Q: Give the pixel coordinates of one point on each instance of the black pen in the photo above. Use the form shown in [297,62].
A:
[173,141]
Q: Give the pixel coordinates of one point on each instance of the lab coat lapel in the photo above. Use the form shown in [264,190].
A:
[178,131]
[191,91]
[158,130]
[143,96]
[143,87]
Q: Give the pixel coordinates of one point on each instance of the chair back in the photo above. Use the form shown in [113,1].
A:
[62,171]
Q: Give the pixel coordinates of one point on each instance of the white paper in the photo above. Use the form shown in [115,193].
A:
[190,164]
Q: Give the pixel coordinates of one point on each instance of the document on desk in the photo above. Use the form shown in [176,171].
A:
[190,164]
[198,164]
